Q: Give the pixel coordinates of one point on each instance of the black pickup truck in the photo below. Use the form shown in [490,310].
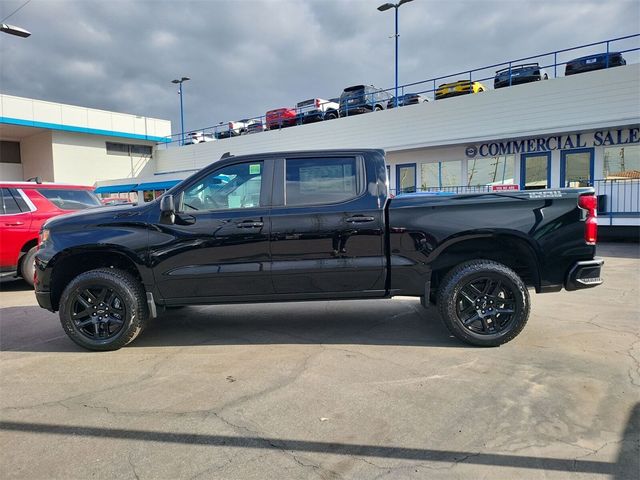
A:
[316,225]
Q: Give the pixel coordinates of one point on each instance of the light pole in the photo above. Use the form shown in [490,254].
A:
[382,8]
[180,82]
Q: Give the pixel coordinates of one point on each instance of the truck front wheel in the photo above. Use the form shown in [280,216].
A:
[483,303]
[103,309]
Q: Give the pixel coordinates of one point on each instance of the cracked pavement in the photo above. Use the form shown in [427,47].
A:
[329,390]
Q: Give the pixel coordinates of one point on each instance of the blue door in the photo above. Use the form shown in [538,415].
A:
[576,167]
[535,171]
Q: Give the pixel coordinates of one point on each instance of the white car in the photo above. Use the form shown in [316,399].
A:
[317,109]
[192,138]
[237,127]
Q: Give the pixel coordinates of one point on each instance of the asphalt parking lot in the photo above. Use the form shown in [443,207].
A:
[350,389]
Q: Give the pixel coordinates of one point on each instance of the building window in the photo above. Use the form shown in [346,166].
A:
[491,171]
[576,167]
[441,174]
[406,178]
[534,170]
[128,149]
[622,163]
[9,152]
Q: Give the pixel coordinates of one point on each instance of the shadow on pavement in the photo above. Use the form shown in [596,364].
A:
[628,461]
[14,285]
[358,450]
[618,250]
[379,322]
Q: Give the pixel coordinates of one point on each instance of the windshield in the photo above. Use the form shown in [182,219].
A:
[353,91]
[67,199]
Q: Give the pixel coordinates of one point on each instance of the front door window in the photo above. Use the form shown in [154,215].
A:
[236,186]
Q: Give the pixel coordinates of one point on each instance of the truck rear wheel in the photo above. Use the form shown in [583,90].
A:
[483,303]
[103,309]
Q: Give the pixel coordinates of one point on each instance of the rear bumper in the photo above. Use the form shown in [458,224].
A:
[44,299]
[584,274]
[312,116]
[452,94]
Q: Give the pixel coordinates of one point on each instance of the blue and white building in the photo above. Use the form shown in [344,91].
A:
[72,144]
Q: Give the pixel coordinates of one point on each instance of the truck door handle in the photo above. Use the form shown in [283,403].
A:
[359,219]
[13,224]
[249,224]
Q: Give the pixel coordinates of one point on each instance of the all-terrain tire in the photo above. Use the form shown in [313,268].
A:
[129,292]
[451,301]
[27,268]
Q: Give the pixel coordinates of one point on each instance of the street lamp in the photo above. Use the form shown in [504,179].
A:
[382,8]
[179,82]
[13,30]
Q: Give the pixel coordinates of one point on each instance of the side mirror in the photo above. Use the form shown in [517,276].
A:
[167,210]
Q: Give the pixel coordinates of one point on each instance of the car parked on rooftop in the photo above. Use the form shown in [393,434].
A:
[518,74]
[362,99]
[317,109]
[407,99]
[256,126]
[461,87]
[235,128]
[597,61]
[24,207]
[193,138]
[281,118]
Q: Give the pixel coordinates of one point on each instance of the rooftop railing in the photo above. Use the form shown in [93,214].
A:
[551,63]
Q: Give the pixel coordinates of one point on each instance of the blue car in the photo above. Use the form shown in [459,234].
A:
[517,74]
[597,61]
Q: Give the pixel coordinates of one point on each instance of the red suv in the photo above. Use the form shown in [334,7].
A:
[24,207]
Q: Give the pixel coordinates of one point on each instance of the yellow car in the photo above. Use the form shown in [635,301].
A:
[461,87]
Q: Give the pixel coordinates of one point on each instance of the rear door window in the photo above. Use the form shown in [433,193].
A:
[9,204]
[67,199]
[313,181]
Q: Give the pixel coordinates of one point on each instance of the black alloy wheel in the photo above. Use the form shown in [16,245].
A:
[97,312]
[104,309]
[486,305]
[483,303]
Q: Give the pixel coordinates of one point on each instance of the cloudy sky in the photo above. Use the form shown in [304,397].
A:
[247,56]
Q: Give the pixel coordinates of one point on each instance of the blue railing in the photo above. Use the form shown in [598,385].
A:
[616,198]
[549,61]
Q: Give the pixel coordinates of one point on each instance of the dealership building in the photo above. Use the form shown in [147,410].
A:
[72,144]
[568,131]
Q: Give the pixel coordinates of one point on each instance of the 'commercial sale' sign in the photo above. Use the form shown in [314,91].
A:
[622,136]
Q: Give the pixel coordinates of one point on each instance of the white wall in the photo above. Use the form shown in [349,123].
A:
[600,99]
[31,110]
[36,153]
[83,159]
[11,171]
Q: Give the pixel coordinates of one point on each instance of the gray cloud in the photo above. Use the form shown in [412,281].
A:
[245,57]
